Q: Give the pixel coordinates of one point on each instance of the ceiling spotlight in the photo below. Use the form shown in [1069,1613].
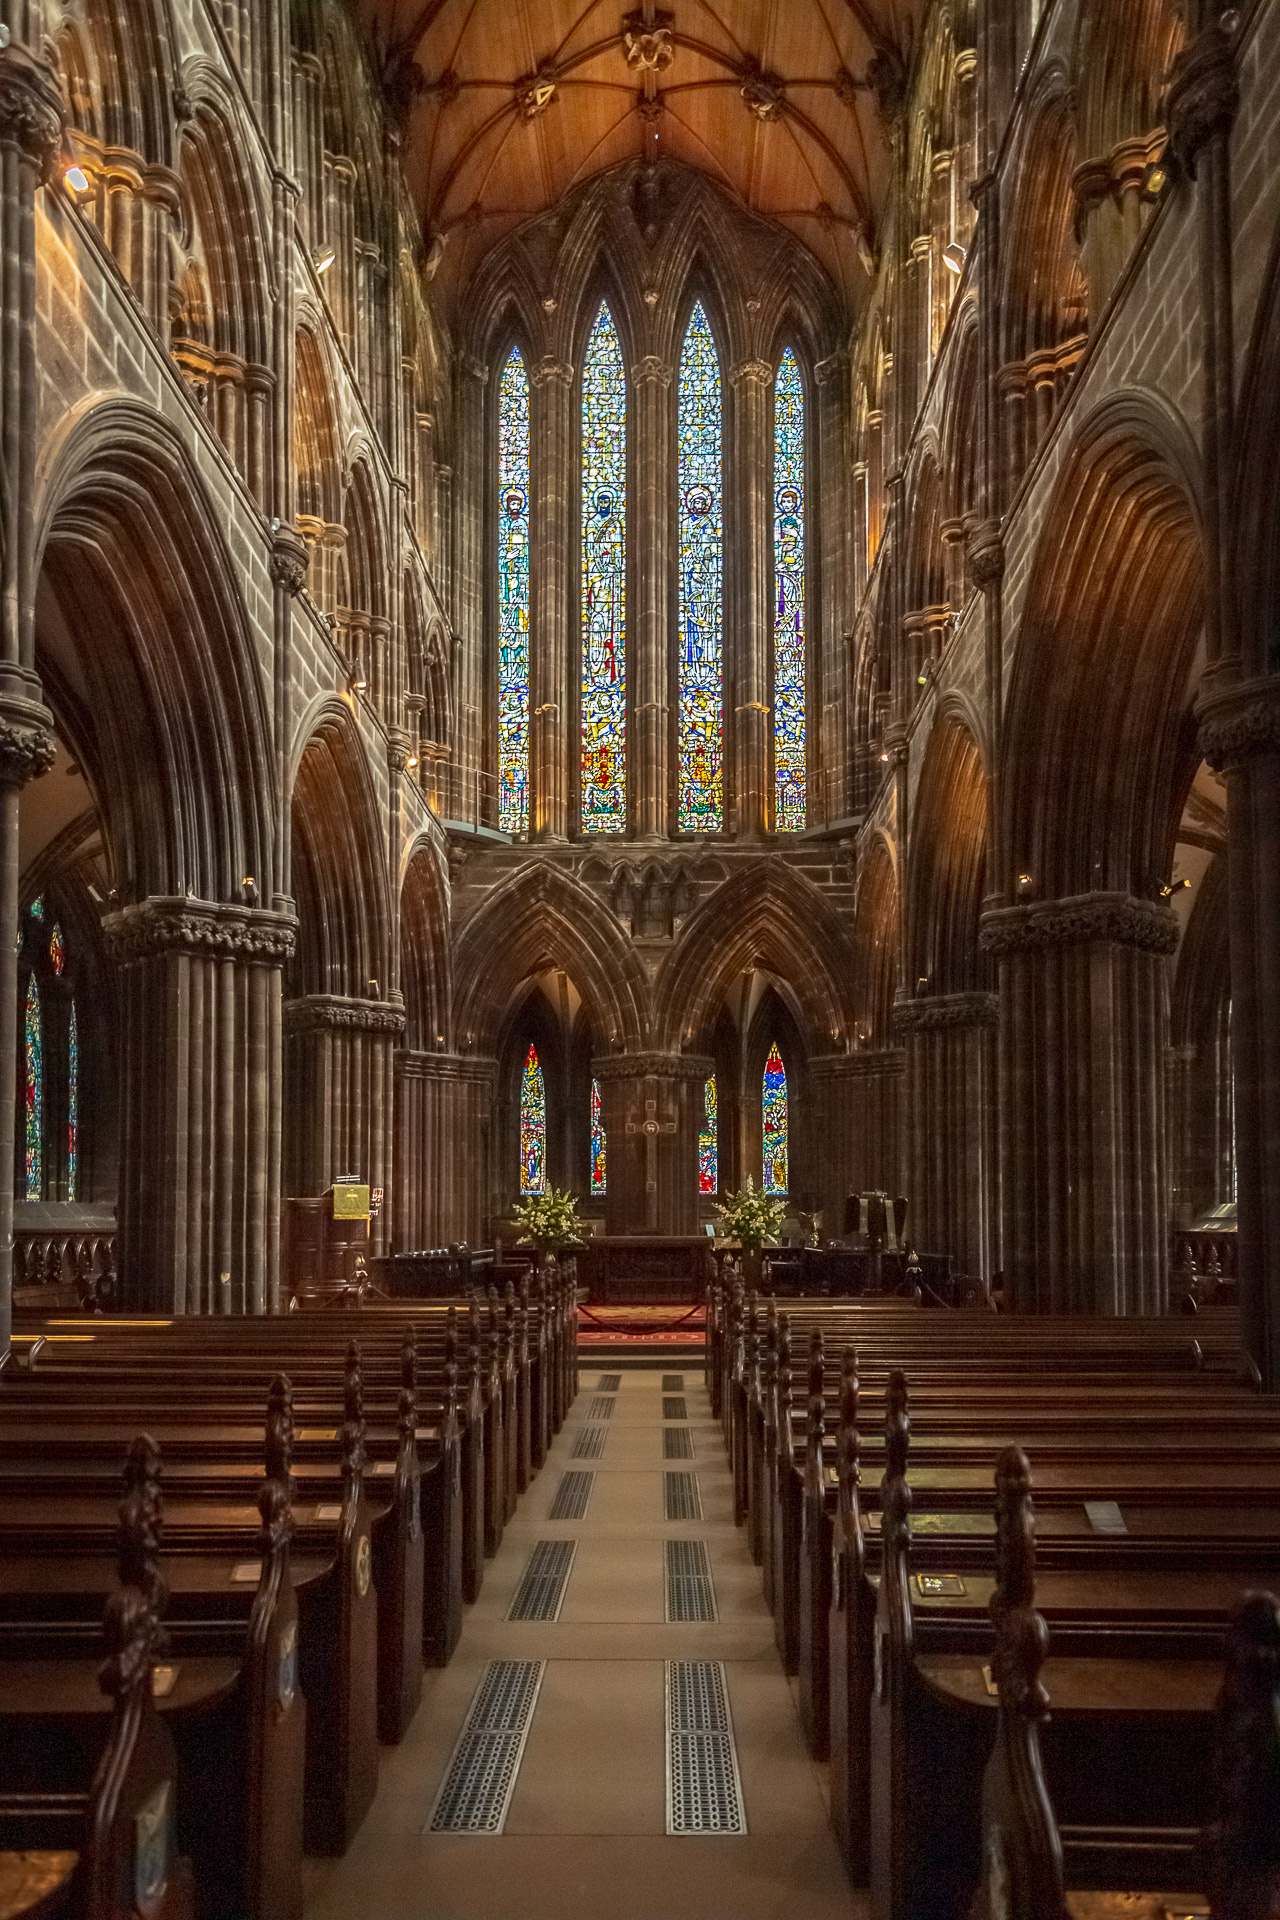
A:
[77,181]
[954,255]
[323,258]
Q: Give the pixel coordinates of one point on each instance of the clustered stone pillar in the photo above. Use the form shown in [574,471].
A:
[1083,1166]
[651,384]
[199,1208]
[951,1144]
[858,1145]
[652,1106]
[443,1105]
[467,577]
[341,1084]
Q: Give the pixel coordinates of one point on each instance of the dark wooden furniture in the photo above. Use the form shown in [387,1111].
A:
[645,1269]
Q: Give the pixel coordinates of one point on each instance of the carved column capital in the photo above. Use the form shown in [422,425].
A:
[199,928]
[550,372]
[1117,919]
[335,1012]
[1204,95]
[399,747]
[751,373]
[26,729]
[984,550]
[651,369]
[289,559]
[946,1012]
[31,111]
[1240,723]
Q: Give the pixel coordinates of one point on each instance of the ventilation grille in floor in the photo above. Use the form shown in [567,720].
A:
[541,1591]
[601,1408]
[589,1444]
[704,1791]
[481,1775]
[608,1383]
[690,1594]
[572,1496]
[677,1409]
[677,1443]
[673,1383]
[681,1496]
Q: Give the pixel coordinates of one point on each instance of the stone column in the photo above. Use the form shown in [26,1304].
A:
[859,1149]
[477,797]
[1084,1181]
[654,687]
[199,1201]
[748,674]
[30,139]
[441,1151]
[340,1081]
[652,1106]
[553,738]
[951,1130]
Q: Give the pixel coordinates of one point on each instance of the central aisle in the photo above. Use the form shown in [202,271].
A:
[586,1830]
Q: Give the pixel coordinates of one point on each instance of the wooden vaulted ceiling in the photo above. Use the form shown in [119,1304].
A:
[509,104]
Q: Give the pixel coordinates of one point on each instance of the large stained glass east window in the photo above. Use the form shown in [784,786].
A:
[709,1142]
[513,595]
[775,1123]
[33,1034]
[700,711]
[597,1141]
[604,582]
[533,1126]
[789,598]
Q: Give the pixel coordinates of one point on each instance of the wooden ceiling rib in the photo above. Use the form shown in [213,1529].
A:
[514,102]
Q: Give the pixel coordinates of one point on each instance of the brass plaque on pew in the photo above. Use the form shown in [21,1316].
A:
[329,1513]
[983,1523]
[939,1586]
[163,1681]
[351,1200]
[384,1466]
[248,1571]
[317,1433]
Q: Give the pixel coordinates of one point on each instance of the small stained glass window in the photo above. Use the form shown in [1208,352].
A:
[789,599]
[709,1142]
[33,1033]
[775,1123]
[57,952]
[597,1141]
[604,582]
[513,595]
[700,703]
[37,909]
[533,1127]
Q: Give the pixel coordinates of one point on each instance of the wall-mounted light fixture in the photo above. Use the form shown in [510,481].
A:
[955,256]
[323,258]
[1025,884]
[884,756]
[77,182]
[1174,886]
[358,679]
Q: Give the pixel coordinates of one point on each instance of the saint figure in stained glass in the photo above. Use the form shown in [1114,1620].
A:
[597,1141]
[533,1127]
[789,599]
[57,952]
[73,1103]
[34,1037]
[513,595]
[775,1123]
[604,581]
[709,1142]
[700,709]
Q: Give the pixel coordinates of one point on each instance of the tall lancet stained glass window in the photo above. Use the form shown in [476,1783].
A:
[597,1141]
[33,1034]
[533,1126]
[709,1142]
[789,599]
[775,1123]
[513,595]
[604,582]
[700,709]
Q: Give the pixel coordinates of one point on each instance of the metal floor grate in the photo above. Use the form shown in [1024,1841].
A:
[704,1790]
[681,1497]
[690,1593]
[481,1775]
[676,1409]
[572,1496]
[608,1383]
[673,1383]
[540,1594]
[589,1444]
[677,1443]
[601,1408]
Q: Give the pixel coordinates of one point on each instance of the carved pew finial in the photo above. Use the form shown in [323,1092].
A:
[141,1514]
[353,1455]
[1021,1847]
[407,1406]
[1242,1845]
[280,1432]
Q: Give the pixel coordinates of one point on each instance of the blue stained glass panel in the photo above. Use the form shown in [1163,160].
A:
[597,1141]
[533,1127]
[709,1143]
[700,711]
[775,1123]
[513,595]
[604,581]
[33,1033]
[789,599]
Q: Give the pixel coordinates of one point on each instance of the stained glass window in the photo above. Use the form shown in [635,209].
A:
[709,1143]
[73,1103]
[604,582]
[34,1032]
[513,595]
[700,723]
[533,1127]
[37,909]
[775,1123]
[597,1141]
[789,602]
[57,952]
